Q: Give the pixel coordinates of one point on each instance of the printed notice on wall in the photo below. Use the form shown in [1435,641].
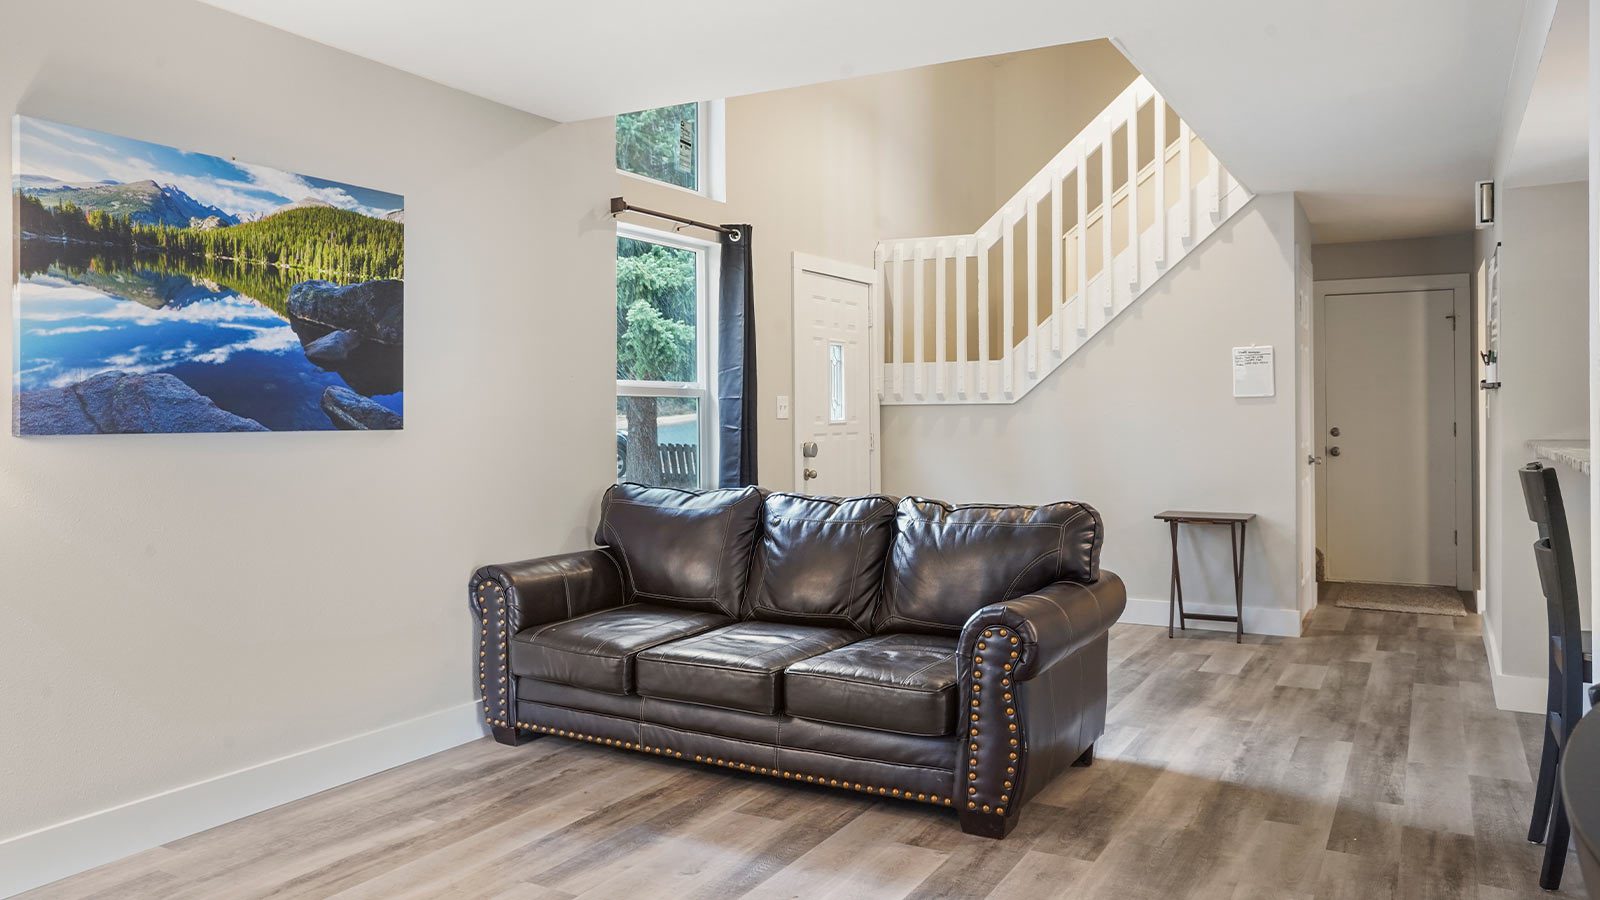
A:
[1252,372]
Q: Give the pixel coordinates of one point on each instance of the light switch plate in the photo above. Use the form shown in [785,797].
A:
[783,406]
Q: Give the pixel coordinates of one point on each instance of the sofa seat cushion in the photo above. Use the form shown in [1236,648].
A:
[739,666]
[892,682]
[597,651]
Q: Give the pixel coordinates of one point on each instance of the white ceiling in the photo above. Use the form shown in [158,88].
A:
[1552,145]
[1382,112]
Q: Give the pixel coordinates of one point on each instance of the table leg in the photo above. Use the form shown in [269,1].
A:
[1177,580]
[1172,580]
[1238,584]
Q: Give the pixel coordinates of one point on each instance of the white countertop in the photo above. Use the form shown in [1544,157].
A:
[1572,454]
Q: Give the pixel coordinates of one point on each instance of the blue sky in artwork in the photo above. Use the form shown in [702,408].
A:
[51,151]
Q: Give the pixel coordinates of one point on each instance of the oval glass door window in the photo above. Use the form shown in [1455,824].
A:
[835,382]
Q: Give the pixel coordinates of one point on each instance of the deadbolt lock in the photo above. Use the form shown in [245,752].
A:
[1334,431]
[809,449]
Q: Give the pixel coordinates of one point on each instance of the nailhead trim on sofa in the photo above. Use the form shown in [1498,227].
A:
[988,790]
[496,706]
[497,709]
[775,772]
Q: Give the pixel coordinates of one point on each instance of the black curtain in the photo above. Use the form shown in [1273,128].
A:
[736,361]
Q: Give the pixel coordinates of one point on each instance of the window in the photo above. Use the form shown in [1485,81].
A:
[677,145]
[835,383]
[665,322]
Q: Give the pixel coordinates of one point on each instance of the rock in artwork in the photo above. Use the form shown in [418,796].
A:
[163,291]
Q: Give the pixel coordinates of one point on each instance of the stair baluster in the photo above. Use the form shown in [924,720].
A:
[1153,247]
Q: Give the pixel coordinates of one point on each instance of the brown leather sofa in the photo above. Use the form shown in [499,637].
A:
[948,655]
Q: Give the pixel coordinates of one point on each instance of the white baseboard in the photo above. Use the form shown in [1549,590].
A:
[56,851]
[1257,620]
[1518,693]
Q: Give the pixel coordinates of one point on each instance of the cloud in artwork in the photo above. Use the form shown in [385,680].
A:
[75,156]
[69,329]
[286,184]
[141,360]
[265,340]
[213,313]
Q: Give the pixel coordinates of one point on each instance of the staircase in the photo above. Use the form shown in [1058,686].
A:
[987,336]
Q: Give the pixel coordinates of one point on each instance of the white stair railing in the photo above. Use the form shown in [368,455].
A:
[1113,224]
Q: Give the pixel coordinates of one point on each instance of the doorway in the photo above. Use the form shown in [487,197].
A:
[1394,431]
[836,378]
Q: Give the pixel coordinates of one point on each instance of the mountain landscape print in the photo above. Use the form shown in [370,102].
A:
[163,291]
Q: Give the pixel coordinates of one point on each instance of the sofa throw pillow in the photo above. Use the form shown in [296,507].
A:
[681,548]
[819,560]
[947,562]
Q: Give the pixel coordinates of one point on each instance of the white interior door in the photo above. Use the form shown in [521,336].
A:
[835,403]
[1389,389]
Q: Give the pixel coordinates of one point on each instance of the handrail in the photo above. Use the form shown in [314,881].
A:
[1050,282]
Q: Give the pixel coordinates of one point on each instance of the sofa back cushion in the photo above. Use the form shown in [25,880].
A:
[947,562]
[689,549]
[820,560]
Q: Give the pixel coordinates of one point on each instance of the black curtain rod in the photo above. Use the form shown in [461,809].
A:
[619,206]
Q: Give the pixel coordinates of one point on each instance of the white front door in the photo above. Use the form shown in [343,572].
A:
[1390,499]
[835,402]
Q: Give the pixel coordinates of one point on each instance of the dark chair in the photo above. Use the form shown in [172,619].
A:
[1580,796]
[1570,664]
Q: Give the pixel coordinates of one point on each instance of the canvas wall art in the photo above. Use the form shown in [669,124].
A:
[159,291]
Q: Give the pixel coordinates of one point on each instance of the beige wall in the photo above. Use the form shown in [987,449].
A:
[178,608]
[1544,374]
[832,169]
[1042,99]
[1143,419]
[1450,254]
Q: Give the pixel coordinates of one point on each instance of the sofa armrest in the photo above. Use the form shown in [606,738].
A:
[1033,694]
[1047,625]
[510,597]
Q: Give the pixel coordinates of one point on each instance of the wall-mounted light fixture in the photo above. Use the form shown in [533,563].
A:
[1483,201]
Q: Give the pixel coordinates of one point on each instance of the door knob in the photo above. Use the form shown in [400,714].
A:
[1333,451]
[809,474]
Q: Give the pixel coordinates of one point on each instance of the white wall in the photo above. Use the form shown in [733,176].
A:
[178,608]
[832,169]
[1593,263]
[1543,369]
[1040,100]
[1307,432]
[1449,254]
[1143,419]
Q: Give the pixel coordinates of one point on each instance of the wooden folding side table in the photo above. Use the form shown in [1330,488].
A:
[1236,523]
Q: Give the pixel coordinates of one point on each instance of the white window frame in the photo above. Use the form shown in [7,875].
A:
[710,156]
[703,388]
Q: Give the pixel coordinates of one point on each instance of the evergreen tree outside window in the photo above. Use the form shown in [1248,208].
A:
[677,145]
[663,359]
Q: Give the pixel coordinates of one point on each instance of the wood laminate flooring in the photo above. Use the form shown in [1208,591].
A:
[1363,760]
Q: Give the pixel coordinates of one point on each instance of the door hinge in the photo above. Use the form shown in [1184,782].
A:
[1455,538]
[1452,429]
[1452,318]
[872,440]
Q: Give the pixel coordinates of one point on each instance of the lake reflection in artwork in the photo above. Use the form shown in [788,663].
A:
[143,308]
